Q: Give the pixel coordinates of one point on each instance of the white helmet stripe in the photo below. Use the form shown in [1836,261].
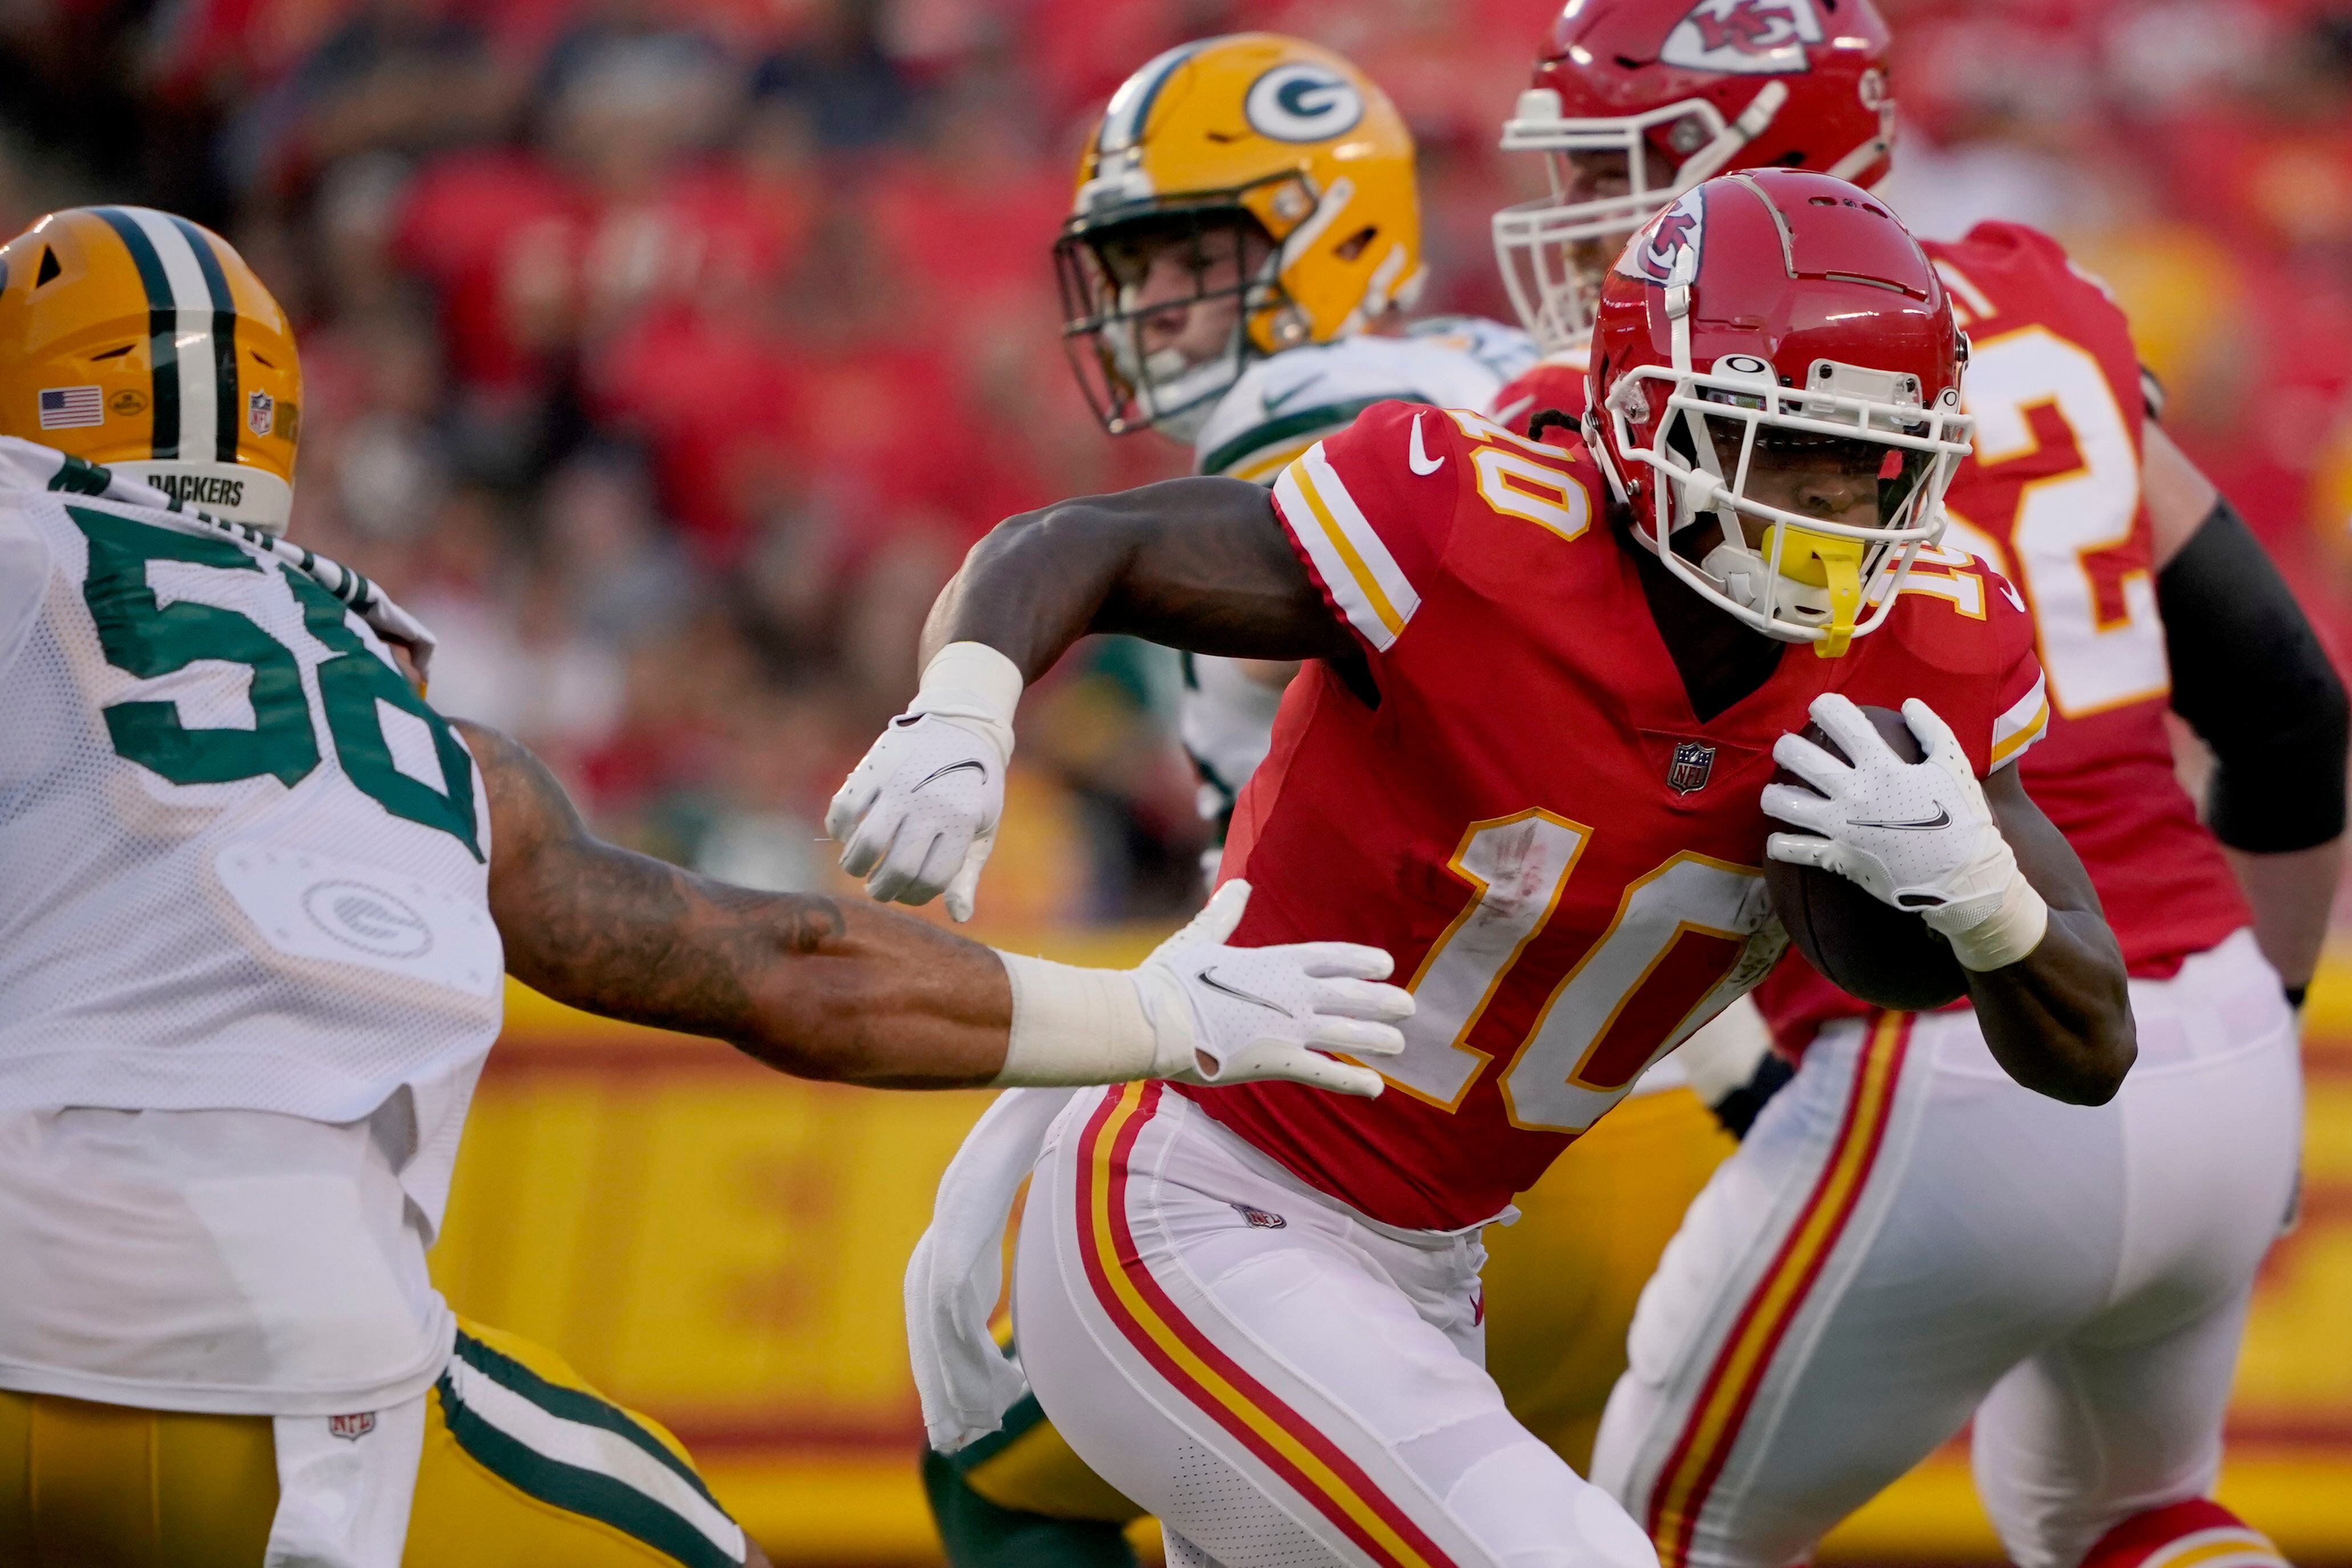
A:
[1131,106]
[199,388]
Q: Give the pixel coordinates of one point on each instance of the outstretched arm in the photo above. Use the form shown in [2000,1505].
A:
[1199,563]
[825,990]
[2059,1019]
[808,984]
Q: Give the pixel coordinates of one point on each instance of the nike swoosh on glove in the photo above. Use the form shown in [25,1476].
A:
[917,816]
[1917,836]
[1239,1014]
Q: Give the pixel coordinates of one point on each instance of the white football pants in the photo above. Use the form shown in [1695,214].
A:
[1285,1382]
[1907,1237]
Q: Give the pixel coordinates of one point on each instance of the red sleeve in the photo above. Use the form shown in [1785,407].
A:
[2021,711]
[1968,653]
[1557,382]
[1370,512]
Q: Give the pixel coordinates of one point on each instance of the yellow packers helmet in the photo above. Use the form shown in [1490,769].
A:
[1272,170]
[142,342]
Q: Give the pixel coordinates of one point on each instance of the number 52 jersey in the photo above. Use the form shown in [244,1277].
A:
[246,863]
[1525,810]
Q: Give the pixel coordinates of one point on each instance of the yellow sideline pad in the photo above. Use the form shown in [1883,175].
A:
[722,1247]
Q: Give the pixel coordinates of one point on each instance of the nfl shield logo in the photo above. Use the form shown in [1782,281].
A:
[1258,1219]
[260,412]
[1694,761]
[351,1428]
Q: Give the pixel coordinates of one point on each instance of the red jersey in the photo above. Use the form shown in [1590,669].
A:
[1530,818]
[2051,497]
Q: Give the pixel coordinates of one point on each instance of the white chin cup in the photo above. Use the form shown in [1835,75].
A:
[1746,578]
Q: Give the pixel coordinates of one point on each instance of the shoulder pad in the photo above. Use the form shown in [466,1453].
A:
[1284,403]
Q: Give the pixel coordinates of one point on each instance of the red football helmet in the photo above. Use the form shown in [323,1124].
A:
[1763,350]
[1677,92]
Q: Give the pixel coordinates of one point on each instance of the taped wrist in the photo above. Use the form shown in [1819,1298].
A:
[1995,935]
[2251,677]
[1073,1027]
[972,681]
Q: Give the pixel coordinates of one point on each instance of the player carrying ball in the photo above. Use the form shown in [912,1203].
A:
[260,902]
[1548,689]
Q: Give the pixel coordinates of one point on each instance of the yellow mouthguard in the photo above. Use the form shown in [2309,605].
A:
[1822,561]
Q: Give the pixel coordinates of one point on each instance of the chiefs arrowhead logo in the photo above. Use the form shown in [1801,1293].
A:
[1757,38]
[1652,252]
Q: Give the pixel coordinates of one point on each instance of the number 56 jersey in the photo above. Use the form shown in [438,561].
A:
[1522,806]
[245,863]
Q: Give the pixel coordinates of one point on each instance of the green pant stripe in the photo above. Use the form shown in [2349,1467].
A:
[576,1491]
[573,1405]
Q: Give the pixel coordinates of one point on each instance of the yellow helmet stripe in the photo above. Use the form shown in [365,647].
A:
[226,413]
[163,328]
[1131,106]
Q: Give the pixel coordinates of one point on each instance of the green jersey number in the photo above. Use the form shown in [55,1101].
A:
[146,638]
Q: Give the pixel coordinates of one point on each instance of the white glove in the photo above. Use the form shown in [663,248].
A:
[1919,836]
[1200,1012]
[1243,1014]
[918,813]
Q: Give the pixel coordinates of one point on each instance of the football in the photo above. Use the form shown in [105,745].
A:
[1871,950]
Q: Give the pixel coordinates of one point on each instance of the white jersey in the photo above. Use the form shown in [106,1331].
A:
[246,881]
[1285,402]
[1281,405]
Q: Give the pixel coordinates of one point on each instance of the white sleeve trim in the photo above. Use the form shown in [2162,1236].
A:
[1371,589]
[2014,733]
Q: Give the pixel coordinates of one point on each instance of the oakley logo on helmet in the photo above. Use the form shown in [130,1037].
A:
[1301,102]
[1757,38]
[1652,252]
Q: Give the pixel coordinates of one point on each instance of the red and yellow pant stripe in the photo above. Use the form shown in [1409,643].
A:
[1732,1383]
[1304,1458]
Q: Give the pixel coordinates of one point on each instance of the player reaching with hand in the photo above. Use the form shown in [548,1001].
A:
[1526,760]
[1825,1321]
[261,900]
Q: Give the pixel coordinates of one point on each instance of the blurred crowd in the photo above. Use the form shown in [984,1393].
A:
[667,354]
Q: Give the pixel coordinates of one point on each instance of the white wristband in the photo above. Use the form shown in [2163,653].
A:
[2009,932]
[1073,1025]
[970,680]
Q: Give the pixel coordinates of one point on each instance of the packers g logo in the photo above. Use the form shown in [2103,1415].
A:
[1301,102]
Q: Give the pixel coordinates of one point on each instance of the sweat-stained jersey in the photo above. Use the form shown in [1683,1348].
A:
[1563,860]
[2050,497]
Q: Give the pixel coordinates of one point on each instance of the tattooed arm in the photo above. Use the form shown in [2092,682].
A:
[1197,564]
[805,983]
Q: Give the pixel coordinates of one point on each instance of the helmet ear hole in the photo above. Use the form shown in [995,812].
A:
[48,269]
[1353,246]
